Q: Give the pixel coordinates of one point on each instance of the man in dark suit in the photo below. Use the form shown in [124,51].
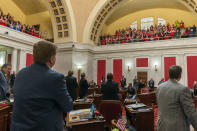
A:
[4,84]
[123,82]
[40,94]
[71,83]
[83,92]
[110,88]
[12,79]
[151,84]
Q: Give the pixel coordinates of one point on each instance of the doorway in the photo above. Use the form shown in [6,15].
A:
[143,76]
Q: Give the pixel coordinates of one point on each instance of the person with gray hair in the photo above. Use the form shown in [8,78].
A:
[176,108]
[4,83]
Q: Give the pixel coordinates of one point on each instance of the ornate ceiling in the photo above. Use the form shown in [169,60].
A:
[136,5]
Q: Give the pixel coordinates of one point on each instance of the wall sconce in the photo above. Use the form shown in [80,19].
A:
[155,67]
[129,69]
[79,67]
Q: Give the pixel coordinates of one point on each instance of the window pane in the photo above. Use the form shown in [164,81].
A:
[162,21]
[146,23]
[133,25]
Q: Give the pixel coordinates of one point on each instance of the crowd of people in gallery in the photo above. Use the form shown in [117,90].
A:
[8,21]
[156,32]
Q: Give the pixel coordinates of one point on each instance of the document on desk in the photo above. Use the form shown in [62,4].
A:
[136,106]
[74,116]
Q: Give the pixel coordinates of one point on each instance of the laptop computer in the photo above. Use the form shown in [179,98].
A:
[90,115]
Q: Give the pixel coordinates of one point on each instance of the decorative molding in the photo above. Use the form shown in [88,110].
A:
[62,20]
[154,47]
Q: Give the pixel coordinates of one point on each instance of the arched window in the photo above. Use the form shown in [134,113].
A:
[162,21]
[133,25]
[146,23]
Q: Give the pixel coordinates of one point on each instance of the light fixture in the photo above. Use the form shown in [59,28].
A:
[79,67]
[155,67]
[129,68]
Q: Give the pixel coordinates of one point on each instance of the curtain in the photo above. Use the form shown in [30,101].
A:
[191,70]
[101,70]
[117,70]
[142,62]
[168,62]
[29,59]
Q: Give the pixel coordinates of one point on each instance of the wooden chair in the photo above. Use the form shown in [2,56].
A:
[110,109]
[148,99]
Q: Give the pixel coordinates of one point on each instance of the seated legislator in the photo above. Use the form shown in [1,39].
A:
[40,94]
[176,108]
[110,88]
[151,84]
[131,90]
[4,84]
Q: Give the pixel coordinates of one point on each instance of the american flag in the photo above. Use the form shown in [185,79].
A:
[121,124]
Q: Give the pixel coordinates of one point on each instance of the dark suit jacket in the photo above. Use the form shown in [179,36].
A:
[110,90]
[40,98]
[151,84]
[4,86]
[83,92]
[71,83]
[12,79]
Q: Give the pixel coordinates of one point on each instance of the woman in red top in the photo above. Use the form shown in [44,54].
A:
[117,33]
[123,39]
[187,31]
[1,20]
[32,30]
[172,32]
[156,37]
[147,38]
[167,36]
[182,24]
[103,41]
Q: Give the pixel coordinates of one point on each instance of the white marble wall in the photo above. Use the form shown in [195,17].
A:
[63,62]
[85,57]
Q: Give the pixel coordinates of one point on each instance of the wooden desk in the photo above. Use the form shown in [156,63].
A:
[5,117]
[82,104]
[142,120]
[87,125]
[97,99]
